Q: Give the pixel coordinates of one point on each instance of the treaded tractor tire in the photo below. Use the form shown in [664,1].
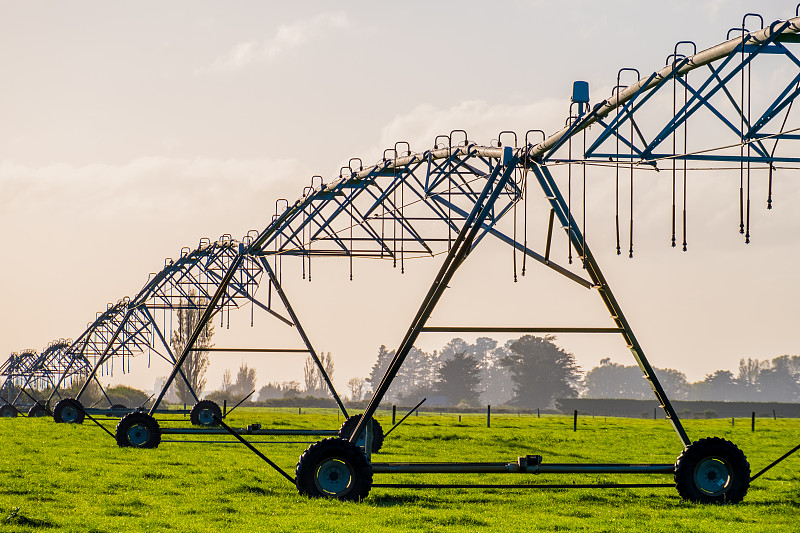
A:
[712,470]
[69,411]
[334,468]
[349,426]
[202,413]
[37,410]
[8,411]
[138,430]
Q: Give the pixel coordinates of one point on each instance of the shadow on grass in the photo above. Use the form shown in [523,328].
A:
[16,518]
[395,500]
[428,500]
[253,489]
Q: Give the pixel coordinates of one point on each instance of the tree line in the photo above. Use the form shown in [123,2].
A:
[534,371]
[530,371]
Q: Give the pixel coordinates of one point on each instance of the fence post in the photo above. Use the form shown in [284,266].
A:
[575,421]
[774,415]
[538,414]
[224,408]
[394,413]
[753,422]
[299,410]
[488,416]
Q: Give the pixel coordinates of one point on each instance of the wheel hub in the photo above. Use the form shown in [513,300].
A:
[138,435]
[69,414]
[206,417]
[333,476]
[712,476]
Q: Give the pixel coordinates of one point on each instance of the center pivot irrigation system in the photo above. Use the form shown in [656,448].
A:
[143,324]
[447,200]
[25,373]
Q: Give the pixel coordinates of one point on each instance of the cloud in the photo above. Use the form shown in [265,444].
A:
[481,120]
[225,195]
[287,37]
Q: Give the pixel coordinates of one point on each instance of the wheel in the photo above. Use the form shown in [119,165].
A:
[349,426]
[203,413]
[37,410]
[334,468]
[138,430]
[712,470]
[8,411]
[70,411]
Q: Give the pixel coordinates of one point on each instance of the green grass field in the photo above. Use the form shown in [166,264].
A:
[59,477]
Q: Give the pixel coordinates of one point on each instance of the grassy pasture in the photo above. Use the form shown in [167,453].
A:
[74,478]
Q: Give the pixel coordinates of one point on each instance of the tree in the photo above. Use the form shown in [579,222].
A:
[612,380]
[459,378]
[270,391]
[779,382]
[327,364]
[719,386]
[291,389]
[356,388]
[196,363]
[749,369]
[245,381]
[312,376]
[227,380]
[673,382]
[541,371]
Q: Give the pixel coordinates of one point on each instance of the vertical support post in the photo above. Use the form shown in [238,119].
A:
[224,408]
[753,422]
[538,414]
[488,416]
[575,420]
[368,441]
[394,413]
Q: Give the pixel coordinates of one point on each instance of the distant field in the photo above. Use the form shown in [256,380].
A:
[75,478]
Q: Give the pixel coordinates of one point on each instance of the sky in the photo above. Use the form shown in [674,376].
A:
[131,130]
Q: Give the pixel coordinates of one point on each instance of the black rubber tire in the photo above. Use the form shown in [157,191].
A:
[712,470]
[349,426]
[8,411]
[202,411]
[69,411]
[138,430]
[334,468]
[37,410]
